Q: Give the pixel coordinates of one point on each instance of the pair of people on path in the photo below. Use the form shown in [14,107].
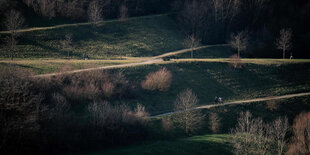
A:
[218,100]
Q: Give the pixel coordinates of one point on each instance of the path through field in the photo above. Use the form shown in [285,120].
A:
[239,102]
[145,61]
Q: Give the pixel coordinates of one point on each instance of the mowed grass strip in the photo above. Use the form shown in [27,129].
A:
[44,66]
[204,144]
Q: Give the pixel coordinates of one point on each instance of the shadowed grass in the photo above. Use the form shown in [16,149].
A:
[205,144]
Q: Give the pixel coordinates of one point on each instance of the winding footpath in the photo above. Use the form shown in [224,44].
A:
[237,102]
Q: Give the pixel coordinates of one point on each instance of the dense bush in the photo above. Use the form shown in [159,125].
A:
[160,80]
[301,138]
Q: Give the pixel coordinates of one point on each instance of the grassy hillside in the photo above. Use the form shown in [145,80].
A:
[136,37]
[205,144]
[209,79]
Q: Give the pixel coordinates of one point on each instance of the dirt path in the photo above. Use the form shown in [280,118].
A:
[239,102]
[146,61]
[79,24]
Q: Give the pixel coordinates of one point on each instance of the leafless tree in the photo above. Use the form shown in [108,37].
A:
[239,42]
[214,122]
[251,136]
[225,10]
[284,42]
[13,21]
[192,16]
[188,119]
[279,129]
[95,12]
[301,135]
[191,42]
[67,43]
[46,8]
[123,13]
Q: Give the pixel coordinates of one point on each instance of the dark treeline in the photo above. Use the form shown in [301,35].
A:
[76,10]
[214,21]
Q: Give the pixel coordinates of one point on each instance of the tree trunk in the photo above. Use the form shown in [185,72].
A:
[238,53]
[192,54]
[283,54]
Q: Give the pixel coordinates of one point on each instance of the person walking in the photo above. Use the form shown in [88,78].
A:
[215,100]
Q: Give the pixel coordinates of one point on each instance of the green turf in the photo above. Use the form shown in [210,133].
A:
[136,37]
[209,79]
[205,144]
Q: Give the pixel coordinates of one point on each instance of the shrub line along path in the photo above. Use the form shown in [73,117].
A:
[238,102]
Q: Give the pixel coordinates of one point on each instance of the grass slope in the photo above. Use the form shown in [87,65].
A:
[205,144]
[136,37]
[209,79]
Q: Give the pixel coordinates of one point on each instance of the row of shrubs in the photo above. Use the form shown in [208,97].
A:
[59,112]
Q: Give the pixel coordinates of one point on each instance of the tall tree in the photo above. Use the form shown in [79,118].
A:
[95,12]
[188,119]
[239,42]
[123,13]
[284,42]
[191,42]
[13,21]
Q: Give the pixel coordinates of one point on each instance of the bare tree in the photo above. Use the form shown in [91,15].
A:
[301,138]
[123,13]
[251,136]
[239,42]
[193,17]
[284,42]
[46,8]
[191,42]
[214,122]
[13,21]
[95,12]
[188,119]
[67,43]
[278,129]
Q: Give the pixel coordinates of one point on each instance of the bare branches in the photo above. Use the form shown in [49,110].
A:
[66,44]
[160,80]
[13,21]
[123,13]
[235,61]
[301,139]
[46,8]
[190,120]
[95,12]
[253,136]
[279,129]
[191,42]
[239,42]
[284,42]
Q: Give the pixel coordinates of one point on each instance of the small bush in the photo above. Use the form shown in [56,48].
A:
[235,61]
[272,105]
[214,122]
[108,89]
[160,80]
